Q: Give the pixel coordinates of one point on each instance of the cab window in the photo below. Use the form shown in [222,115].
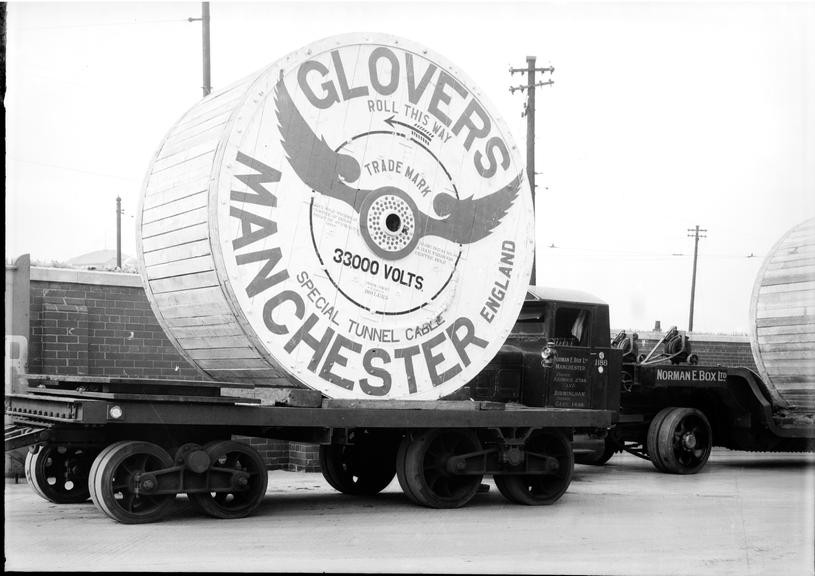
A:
[531,320]
[571,327]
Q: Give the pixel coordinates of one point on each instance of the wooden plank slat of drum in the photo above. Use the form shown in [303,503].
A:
[227,363]
[800,354]
[199,136]
[168,189]
[191,343]
[785,346]
[790,366]
[177,222]
[797,286]
[218,107]
[183,252]
[200,150]
[176,237]
[786,325]
[804,297]
[174,268]
[230,353]
[371,234]
[262,376]
[199,295]
[782,313]
[179,173]
[203,320]
[192,310]
[786,277]
[784,337]
[176,207]
[231,329]
[186,282]
[799,263]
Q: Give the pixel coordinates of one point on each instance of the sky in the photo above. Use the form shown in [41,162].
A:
[662,116]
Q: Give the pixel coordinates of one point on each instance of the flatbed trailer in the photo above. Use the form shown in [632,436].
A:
[132,445]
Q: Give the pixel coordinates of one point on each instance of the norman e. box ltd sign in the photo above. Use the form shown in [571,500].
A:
[354,218]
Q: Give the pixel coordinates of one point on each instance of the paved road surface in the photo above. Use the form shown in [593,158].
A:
[744,514]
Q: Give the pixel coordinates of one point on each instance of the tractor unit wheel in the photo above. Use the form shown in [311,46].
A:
[679,440]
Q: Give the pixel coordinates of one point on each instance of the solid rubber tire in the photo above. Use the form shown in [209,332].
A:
[652,440]
[666,441]
[106,468]
[458,489]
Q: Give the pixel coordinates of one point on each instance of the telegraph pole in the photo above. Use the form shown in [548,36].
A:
[529,112]
[119,232]
[205,44]
[696,236]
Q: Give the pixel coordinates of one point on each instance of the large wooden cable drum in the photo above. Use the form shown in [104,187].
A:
[354,218]
[782,318]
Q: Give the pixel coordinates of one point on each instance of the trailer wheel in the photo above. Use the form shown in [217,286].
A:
[232,456]
[361,469]
[113,486]
[59,473]
[421,468]
[541,489]
[95,467]
[679,440]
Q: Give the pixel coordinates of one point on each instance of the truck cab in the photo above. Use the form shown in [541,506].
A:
[558,355]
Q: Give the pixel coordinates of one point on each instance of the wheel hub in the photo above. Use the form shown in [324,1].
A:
[388,223]
[689,441]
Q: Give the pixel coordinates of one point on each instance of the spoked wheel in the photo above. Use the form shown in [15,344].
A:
[60,473]
[421,467]
[364,468]
[679,440]
[114,486]
[245,471]
[540,489]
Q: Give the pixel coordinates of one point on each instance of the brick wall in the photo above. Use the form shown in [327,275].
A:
[99,330]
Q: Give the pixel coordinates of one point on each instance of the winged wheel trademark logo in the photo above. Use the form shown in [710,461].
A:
[390,221]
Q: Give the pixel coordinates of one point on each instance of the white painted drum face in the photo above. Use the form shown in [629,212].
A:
[370,221]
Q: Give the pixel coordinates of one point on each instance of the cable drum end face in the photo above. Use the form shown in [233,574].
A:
[371,227]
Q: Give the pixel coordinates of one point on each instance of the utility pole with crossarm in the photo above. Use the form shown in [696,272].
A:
[529,112]
[695,234]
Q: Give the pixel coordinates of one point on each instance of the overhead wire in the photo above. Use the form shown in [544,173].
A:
[102,24]
[643,254]
[56,167]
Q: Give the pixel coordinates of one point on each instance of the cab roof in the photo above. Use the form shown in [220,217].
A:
[536,293]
